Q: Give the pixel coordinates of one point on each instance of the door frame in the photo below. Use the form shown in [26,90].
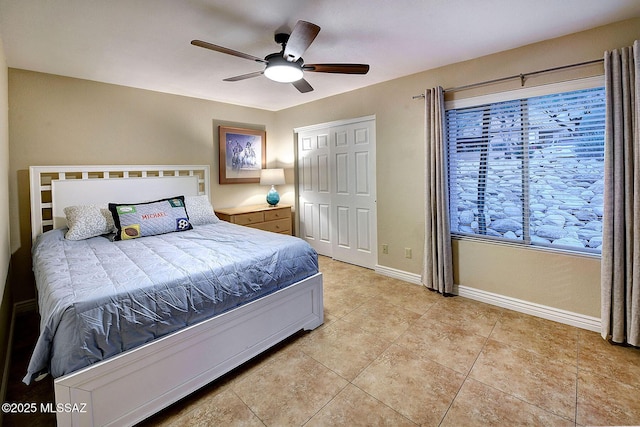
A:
[327,125]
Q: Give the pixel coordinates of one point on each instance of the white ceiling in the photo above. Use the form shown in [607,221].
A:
[146,43]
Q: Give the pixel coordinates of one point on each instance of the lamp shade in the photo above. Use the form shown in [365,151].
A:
[272,177]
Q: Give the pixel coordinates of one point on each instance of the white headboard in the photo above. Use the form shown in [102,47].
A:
[55,187]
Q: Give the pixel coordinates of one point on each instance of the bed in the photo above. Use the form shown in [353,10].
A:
[131,326]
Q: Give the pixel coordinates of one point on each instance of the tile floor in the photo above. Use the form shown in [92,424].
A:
[394,354]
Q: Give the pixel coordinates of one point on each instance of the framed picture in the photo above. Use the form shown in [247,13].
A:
[242,155]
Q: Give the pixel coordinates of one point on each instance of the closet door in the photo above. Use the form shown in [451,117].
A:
[336,190]
[353,196]
[314,190]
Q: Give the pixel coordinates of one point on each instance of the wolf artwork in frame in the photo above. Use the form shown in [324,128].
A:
[242,155]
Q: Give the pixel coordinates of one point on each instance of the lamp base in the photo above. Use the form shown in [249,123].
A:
[273,197]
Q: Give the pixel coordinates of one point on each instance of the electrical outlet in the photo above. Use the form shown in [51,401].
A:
[407,253]
[385,249]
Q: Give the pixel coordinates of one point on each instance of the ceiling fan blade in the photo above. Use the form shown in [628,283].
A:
[228,51]
[244,76]
[300,39]
[337,68]
[302,85]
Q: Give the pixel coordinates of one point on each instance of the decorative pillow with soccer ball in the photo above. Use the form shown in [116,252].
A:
[151,218]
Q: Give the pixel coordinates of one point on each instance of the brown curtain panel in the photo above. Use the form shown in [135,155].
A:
[437,272]
[621,220]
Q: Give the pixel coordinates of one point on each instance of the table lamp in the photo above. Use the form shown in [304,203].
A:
[272,177]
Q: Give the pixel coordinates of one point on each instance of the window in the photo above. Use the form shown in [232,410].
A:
[529,170]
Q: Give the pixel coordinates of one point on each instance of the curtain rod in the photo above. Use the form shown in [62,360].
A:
[522,77]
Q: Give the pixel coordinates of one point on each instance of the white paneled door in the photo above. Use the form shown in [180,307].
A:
[314,194]
[336,190]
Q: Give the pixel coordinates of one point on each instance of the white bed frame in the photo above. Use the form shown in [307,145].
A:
[130,387]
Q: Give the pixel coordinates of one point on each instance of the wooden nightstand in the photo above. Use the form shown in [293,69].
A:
[276,219]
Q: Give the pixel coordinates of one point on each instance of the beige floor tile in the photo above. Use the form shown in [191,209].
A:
[536,379]
[329,317]
[338,270]
[446,344]
[289,389]
[224,409]
[551,339]
[344,348]
[380,333]
[338,305]
[342,294]
[472,316]
[351,278]
[382,318]
[410,296]
[353,407]
[602,358]
[603,401]
[345,288]
[171,415]
[418,388]
[479,405]
[280,350]
[367,283]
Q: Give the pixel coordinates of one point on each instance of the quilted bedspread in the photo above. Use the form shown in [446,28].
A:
[98,298]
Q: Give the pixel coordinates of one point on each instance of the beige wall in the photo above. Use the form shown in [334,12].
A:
[562,281]
[5,252]
[57,120]
[4,168]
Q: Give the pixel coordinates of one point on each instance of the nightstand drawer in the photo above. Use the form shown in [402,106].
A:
[275,219]
[275,214]
[277,226]
[248,218]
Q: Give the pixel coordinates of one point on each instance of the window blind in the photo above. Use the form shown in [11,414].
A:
[529,170]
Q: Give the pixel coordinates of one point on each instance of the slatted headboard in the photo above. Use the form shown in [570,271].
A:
[55,187]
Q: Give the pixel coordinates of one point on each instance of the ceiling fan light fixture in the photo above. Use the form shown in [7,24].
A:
[282,71]
[287,65]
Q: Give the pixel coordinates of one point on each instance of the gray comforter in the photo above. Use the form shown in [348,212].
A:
[98,298]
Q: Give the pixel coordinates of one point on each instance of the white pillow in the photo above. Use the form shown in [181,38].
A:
[200,210]
[88,221]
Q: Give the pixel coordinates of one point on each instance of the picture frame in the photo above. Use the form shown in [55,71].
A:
[242,154]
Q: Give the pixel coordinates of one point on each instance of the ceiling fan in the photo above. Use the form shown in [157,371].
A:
[287,66]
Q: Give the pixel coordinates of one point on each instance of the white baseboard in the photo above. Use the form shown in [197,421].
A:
[398,274]
[551,313]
